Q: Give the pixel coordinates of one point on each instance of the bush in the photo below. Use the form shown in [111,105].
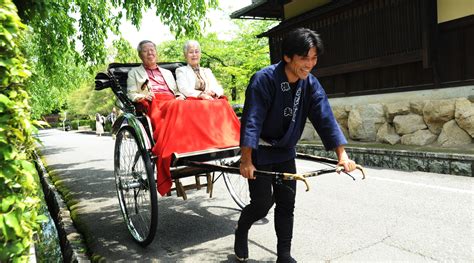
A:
[19,202]
[92,124]
[75,125]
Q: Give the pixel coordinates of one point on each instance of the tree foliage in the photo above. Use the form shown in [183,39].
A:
[58,24]
[68,35]
[84,100]
[18,189]
[48,91]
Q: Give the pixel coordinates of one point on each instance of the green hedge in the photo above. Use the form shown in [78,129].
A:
[19,201]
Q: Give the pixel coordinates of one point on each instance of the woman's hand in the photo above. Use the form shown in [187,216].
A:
[210,93]
[149,96]
[205,96]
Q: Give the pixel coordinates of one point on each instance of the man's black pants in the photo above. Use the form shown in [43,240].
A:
[264,191]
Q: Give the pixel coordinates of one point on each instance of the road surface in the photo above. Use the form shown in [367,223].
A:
[390,216]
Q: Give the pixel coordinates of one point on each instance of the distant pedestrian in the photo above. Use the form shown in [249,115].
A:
[99,124]
[112,116]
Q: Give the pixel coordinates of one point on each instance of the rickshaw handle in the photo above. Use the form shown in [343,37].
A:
[284,176]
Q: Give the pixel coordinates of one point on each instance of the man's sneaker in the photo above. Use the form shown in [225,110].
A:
[285,259]
[241,246]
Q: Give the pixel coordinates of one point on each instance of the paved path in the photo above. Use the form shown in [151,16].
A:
[391,216]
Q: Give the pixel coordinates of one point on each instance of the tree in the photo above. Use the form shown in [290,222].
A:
[58,29]
[58,24]
[84,100]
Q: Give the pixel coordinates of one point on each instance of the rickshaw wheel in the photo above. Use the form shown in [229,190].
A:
[238,187]
[136,186]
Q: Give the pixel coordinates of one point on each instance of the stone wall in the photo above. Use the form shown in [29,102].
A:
[440,122]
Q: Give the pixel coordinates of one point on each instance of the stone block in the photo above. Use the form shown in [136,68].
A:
[394,109]
[452,135]
[309,133]
[417,106]
[341,115]
[386,161]
[438,166]
[372,160]
[420,138]
[358,158]
[418,164]
[364,122]
[436,113]
[387,134]
[464,115]
[401,163]
[406,124]
[461,168]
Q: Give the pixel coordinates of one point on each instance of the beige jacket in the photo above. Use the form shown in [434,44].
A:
[137,76]
[186,80]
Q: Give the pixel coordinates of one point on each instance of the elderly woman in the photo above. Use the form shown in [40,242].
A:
[196,81]
[149,81]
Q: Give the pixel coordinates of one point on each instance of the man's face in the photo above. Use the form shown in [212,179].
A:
[299,67]
[148,54]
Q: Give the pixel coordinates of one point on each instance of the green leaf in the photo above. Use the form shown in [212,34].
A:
[11,220]
[7,203]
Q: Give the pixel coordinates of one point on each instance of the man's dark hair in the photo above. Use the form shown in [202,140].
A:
[299,41]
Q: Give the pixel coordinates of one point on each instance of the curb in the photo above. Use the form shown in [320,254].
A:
[70,240]
[406,160]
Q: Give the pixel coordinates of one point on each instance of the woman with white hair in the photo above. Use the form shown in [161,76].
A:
[194,80]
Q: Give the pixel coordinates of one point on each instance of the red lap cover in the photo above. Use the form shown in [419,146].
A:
[190,125]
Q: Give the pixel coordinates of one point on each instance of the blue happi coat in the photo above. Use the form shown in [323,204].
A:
[275,114]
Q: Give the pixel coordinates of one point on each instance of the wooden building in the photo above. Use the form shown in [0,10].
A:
[379,46]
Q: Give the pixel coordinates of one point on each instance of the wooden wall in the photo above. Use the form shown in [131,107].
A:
[378,46]
[456,50]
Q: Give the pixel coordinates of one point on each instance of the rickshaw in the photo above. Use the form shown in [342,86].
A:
[134,162]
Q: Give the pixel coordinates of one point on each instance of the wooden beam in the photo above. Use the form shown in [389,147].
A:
[386,61]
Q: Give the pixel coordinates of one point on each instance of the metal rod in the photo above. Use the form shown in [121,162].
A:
[309,157]
[330,161]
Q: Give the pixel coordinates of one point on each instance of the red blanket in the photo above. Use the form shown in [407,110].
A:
[189,125]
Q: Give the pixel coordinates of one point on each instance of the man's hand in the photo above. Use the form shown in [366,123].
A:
[348,164]
[247,169]
[343,160]
[246,166]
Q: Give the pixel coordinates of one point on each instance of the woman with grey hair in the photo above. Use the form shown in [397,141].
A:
[194,80]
